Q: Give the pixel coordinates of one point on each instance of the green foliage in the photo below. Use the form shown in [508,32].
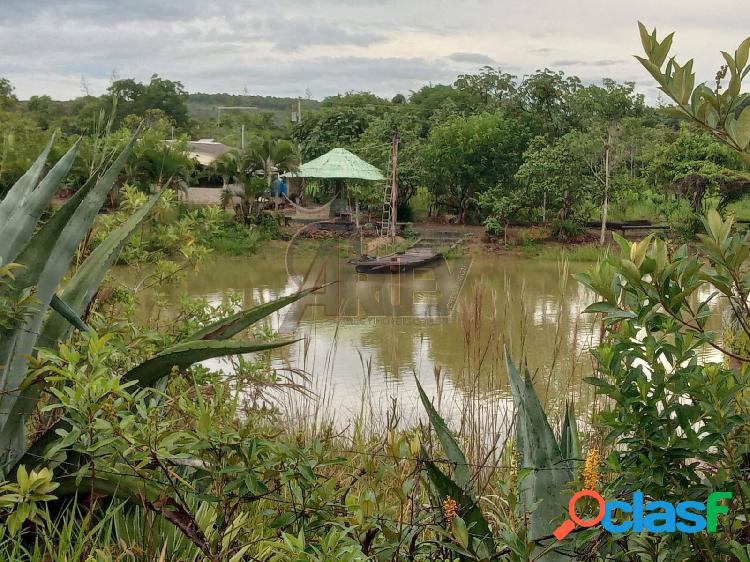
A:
[565,230]
[697,167]
[7,97]
[24,499]
[554,180]
[492,226]
[723,110]
[464,156]
[678,425]
[46,256]
[130,97]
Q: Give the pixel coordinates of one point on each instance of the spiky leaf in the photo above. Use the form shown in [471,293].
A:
[67,314]
[543,489]
[450,445]
[25,184]
[188,353]
[85,282]
[16,233]
[234,324]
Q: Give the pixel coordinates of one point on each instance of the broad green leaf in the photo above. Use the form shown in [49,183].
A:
[743,128]
[645,39]
[660,53]
[188,353]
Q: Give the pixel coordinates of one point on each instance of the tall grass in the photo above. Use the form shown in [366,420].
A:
[581,253]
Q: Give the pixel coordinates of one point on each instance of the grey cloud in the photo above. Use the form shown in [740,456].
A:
[603,62]
[295,35]
[380,45]
[473,58]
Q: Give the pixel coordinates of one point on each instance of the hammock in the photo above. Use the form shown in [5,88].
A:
[322,212]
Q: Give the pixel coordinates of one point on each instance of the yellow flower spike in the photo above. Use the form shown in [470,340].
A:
[450,509]
[591,469]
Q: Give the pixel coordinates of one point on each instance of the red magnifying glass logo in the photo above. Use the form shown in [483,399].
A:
[569,524]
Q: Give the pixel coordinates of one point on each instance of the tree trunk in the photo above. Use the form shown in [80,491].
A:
[603,234]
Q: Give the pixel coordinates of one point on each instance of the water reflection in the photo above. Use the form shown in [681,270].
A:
[368,336]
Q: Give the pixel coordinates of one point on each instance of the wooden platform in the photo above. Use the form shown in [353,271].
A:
[396,263]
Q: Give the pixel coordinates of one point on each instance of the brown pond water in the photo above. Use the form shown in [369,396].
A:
[368,336]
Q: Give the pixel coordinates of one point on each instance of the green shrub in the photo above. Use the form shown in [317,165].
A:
[493,227]
[566,230]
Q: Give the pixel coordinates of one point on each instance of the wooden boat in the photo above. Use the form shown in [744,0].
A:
[396,263]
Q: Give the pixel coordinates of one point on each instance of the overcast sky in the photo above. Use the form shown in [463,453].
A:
[324,47]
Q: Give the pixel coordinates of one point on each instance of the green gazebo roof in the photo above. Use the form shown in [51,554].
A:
[338,163]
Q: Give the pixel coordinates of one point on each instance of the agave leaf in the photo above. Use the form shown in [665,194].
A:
[234,324]
[46,276]
[16,233]
[468,509]
[25,184]
[42,243]
[67,314]
[85,282]
[450,446]
[543,489]
[187,353]
[570,447]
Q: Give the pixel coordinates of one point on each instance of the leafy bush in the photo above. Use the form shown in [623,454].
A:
[678,426]
[566,230]
[492,226]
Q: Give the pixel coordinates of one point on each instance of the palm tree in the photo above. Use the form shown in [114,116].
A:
[269,153]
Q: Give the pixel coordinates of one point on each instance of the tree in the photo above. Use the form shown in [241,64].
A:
[554,178]
[20,141]
[339,124]
[271,155]
[374,146]
[435,103]
[7,97]
[489,88]
[131,97]
[695,166]
[546,97]
[464,156]
[605,108]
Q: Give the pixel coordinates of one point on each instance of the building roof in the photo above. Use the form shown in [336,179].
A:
[206,151]
[338,163]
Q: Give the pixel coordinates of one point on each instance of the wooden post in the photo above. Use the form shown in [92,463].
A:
[394,186]
[608,141]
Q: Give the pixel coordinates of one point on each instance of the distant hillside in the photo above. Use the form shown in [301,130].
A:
[205,105]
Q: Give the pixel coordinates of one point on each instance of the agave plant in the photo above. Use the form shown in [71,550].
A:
[480,544]
[548,462]
[45,253]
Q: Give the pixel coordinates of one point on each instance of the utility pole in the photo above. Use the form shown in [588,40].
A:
[394,185]
[242,142]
